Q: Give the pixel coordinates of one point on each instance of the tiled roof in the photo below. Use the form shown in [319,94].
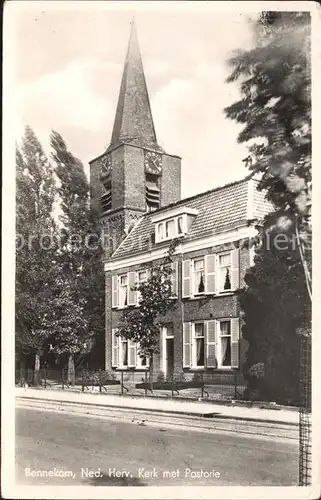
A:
[220,209]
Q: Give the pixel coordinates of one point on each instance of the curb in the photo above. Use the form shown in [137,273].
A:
[262,405]
[166,412]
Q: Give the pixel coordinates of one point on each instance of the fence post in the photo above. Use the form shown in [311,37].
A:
[146,383]
[122,382]
[172,385]
[63,376]
[202,386]
[235,385]
[45,374]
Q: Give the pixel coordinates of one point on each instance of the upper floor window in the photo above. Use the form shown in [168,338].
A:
[224,269]
[199,345]
[211,274]
[123,290]
[141,278]
[198,276]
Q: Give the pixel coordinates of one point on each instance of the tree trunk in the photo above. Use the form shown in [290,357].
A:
[71,370]
[36,373]
[151,372]
[22,370]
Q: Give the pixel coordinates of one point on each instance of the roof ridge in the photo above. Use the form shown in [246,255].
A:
[245,179]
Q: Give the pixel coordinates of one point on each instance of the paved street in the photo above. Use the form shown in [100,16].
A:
[130,454]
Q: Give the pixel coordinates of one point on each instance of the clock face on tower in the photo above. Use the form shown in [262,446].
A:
[153,162]
[105,165]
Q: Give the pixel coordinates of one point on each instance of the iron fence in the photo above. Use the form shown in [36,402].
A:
[213,386]
[305,422]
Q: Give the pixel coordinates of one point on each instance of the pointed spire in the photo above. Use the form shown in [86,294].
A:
[133,120]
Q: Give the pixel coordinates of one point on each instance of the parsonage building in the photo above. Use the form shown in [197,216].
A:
[135,186]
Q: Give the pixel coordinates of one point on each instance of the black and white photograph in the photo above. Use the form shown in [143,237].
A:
[157,271]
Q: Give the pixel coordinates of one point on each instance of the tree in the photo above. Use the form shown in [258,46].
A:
[35,228]
[275,108]
[143,324]
[275,304]
[80,253]
[274,79]
[66,327]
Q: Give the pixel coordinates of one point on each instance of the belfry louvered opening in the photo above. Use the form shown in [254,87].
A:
[105,200]
[152,192]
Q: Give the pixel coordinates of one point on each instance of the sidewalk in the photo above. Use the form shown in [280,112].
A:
[205,409]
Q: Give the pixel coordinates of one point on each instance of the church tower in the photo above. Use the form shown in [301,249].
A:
[134,175]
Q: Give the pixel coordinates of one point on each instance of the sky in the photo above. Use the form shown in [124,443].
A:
[67,67]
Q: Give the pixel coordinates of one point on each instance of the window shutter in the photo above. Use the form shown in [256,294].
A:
[235,342]
[131,293]
[210,331]
[114,295]
[187,345]
[217,281]
[186,281]
[115,348]
[210,273]
[235,269]
[251,253]
[131,353]
[174,278]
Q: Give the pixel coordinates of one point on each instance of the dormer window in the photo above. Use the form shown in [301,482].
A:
[173,223]
[170,228]
[180,225]
[160,231]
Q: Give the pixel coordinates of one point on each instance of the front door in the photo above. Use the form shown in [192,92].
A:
[169,366]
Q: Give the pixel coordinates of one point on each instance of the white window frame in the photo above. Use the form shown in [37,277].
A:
[138,280]
[195,366]
[160,231]
[220,366]
[121,342]
[160,228]
[169,236]
[120,287]
[220,286]
[193,273]
[183,227]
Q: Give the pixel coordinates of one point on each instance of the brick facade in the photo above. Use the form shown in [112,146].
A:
[204,308]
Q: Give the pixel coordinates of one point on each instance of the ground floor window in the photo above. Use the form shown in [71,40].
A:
[211,344]
[199,345]
[125,353]
[224,344]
